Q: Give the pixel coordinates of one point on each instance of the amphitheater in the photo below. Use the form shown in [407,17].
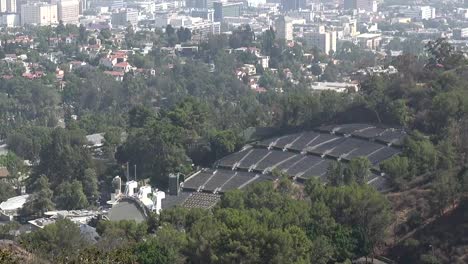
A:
[301,156]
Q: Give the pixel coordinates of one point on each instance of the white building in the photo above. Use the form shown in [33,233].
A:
[419,12]
[145,198]
[39,13]
[8,6]
[284,28]
[10,208]
[334,86]
[68,11]
[10,20]
[199,27]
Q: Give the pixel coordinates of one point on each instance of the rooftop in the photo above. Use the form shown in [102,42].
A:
[14,203]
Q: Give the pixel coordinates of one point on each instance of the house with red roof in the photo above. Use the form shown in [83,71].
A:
[118,76]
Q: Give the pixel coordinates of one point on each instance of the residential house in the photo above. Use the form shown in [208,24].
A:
[118,76]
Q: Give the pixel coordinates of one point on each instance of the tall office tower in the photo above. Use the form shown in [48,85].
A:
[284,28]
[288,5]
[68,11]
[39,13]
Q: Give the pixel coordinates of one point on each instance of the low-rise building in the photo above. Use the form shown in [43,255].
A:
[340,87]
[369,40]
[10,208]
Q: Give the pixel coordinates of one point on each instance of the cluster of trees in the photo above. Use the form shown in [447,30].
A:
[180,35]
[358,170]
[264,224]
[62,163]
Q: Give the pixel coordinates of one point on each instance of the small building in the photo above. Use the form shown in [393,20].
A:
[10,208]
[335,86]
[118,76]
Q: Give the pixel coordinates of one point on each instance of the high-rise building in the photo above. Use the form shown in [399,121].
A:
[284,28]
[8,6]
[68,11]
[222,10]
[39,13]
[125,17]
[288,5]
[323,40]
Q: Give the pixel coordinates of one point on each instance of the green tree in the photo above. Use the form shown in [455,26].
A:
[41,199]
[83,34]
[443,55]
[446,154]
[105,34]
[335,173]
[398,170]
[90,185]
[321,250]
[421,152]
[224,142]
[400,112]
[70,196]
[358,170]
[115,234]
[165,247]
[268,40]
[156,150]
[55,241]
[13,163]
[65,158]
[330,74]
[445,192]
[6,191]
